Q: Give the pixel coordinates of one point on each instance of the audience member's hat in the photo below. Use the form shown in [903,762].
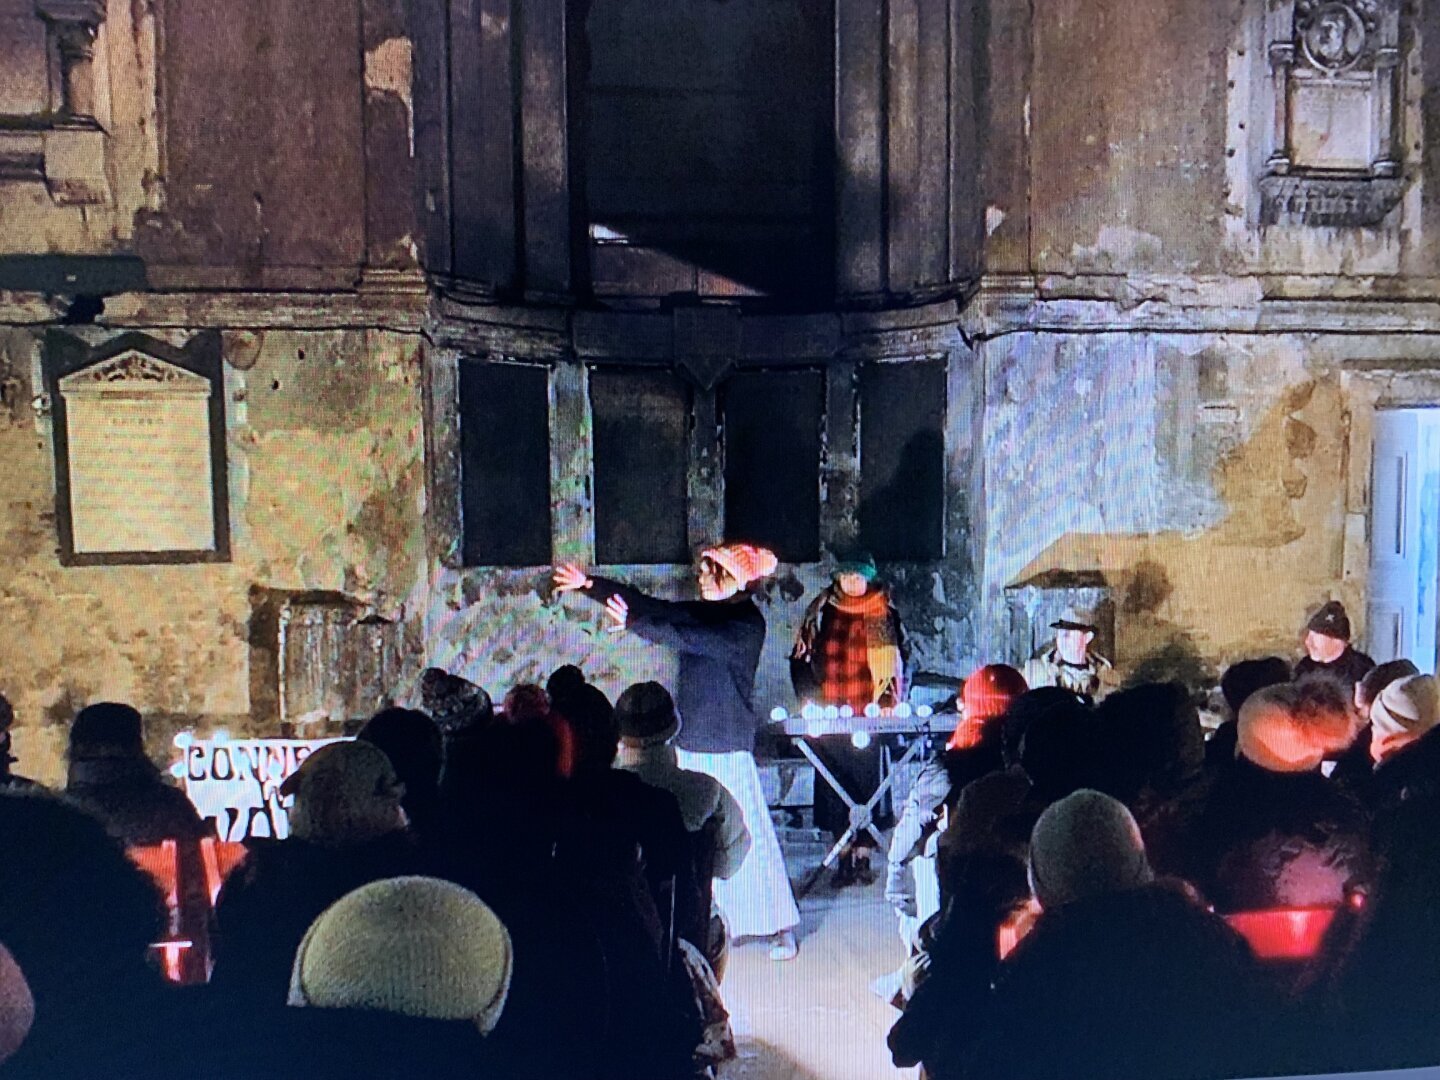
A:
[744,562]
[864,565]
[1281,731]
[106,727]
[987,694]
[452,702]
[1085,845]
[17,1005]
[646,715]
[1331,621]
[1073,618]
[1245,677]
[1403,712]
[416,946]
[345,793]
[7,713]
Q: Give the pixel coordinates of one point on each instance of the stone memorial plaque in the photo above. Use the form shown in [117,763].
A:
[1330,123]
[140,458]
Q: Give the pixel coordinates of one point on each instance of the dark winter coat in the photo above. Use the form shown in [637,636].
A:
[1409,774]
[282,1043]
[1261,840]
[269,902]
[134,801]
[719,644]
[1130,984]
[1349,668]
[616,809]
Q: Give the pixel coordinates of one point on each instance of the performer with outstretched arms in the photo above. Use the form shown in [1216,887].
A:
[718,639]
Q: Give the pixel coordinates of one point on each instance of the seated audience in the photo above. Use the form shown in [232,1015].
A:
[1354,767]
[1120,977]
[347,828]
[1150,749]
[947,983]
[1272,831]
[416,749]
[1405,744]
[1389,971]
[1046,743]
[972,751]
[646,719]
[78,918]
[1237,684]
[111,776]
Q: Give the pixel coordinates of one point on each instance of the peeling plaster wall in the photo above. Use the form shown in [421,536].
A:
[326,468]
[1203,475]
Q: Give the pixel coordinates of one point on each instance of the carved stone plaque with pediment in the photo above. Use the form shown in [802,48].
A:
[138,432]
[1335,155]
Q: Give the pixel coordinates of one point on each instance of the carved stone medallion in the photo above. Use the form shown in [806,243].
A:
[1333,35]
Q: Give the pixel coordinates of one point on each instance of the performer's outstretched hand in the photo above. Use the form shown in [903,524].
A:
[570,578]
[618,610]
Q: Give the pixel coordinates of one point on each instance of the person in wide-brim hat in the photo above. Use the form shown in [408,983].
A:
[1069,663]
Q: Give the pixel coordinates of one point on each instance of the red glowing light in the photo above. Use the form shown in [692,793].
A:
[1285,933]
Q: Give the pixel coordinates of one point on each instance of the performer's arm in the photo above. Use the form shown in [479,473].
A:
[661,622]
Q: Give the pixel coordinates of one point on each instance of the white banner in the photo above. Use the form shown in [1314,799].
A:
[236,782]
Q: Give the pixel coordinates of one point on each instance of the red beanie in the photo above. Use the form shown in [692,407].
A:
[987,694]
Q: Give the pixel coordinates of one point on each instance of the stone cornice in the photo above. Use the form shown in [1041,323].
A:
[1004,305]
[1012,304]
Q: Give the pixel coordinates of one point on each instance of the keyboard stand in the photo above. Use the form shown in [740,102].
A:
[862,815]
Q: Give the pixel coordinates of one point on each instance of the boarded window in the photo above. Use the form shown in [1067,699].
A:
[505,464]
[641,422]
[902,460]
[772,460]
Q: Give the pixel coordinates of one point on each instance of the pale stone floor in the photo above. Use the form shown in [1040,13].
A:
[814,1017]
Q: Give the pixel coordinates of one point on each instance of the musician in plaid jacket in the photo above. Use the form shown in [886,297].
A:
[849,651]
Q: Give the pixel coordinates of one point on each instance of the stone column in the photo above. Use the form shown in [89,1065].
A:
[74,23]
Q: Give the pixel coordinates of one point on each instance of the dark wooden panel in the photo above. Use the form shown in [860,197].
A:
[390,219]
[482,125]
[902,460]
[966,212]
[708,135]
[772,432]
[932,177]
[904,135]
[312,209]
[505,464]
[641,425]
[429,29]
[860,142]
[1007,58]
[544,146]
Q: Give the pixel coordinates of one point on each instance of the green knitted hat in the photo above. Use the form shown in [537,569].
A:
[416,946]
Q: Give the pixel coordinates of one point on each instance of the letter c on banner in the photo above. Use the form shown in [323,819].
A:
[195,753]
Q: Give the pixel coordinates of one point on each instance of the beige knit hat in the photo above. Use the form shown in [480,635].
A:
[1085,845]
[1283,730]
[1404,711]
[345,793]
[416,946]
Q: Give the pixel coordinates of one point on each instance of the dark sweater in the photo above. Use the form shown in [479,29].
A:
[719,645]
[1349,668]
